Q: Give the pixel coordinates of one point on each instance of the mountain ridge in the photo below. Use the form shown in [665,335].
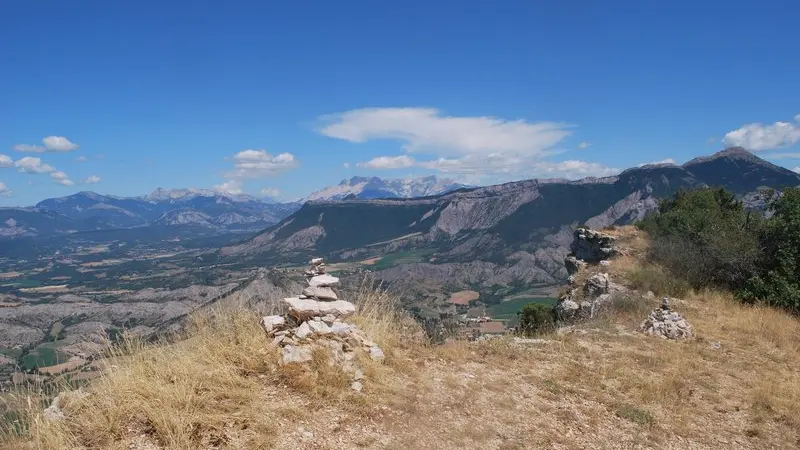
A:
[519,227]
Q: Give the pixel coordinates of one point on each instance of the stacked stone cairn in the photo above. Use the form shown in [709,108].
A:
[316,321]
[666,324]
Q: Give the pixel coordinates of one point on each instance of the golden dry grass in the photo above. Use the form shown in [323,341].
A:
[599,385]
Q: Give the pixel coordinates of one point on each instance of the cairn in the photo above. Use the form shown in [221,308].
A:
[666,324]
[316,321]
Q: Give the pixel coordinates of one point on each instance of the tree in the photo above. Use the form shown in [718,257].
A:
[707,237]
[536,318]
[779,281]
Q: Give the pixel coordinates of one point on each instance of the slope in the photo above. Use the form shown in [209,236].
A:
[599,384]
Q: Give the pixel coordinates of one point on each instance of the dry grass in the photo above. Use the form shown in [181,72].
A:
[599,385]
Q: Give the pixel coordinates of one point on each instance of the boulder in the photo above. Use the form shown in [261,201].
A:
[319,327]
[304,309]
[596,285]
[566,310]
[273,323]
[303,331]
[323,281]
[316,261]
[296,354]
[592,246]
[341,329]
[321,293]
[376,353]
[573,264]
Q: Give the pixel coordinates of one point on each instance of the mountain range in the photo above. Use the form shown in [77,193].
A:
[200,209]
[495,235]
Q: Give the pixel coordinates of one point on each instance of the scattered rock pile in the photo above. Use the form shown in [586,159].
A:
[666,324]
[315,321]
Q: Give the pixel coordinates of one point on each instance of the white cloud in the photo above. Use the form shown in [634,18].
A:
[61,178]
[233,187]
[796,169]
[6,161]
[59,144]
[271,192]
[425,129]
[572,169]
[388,162]
[250,164]
[30,164]
[92,179]
[260,164]
[51,144]
[29,148]
[4,190]
[346,165]
[584,145]
[757,136]
[81,158]
[663,161]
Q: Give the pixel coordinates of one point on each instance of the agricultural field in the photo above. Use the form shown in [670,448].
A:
[508,310]
[404,257]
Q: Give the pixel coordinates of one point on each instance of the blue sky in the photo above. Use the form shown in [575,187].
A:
[124,97]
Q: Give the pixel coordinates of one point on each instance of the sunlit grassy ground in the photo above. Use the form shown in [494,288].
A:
[598,385]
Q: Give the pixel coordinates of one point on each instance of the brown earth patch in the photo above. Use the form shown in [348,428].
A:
[463,297]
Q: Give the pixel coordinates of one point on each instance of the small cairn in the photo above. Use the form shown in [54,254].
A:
[666,324]
[315,320]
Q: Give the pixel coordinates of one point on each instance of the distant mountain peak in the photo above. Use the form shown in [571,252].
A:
[736,153]
[161,194]
[375,187]
[740,171]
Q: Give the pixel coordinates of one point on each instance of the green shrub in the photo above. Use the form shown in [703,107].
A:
[536,318]
[779,281]
[706,237]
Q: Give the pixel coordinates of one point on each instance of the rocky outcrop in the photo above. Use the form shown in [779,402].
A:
[585,301]
[592,246]
[666,324]
[315,322]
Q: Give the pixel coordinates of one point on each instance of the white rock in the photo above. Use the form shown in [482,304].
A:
[358,375]
[318,327]
[341,328]
[303,331]
[356,386]
[306,308]
[316,261]
[329,319]
[376,353]
[53,413]
[271,323]
[322,293]
[277,341]
[323,281]
[296,354]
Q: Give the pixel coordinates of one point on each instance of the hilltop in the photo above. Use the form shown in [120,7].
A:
[595,384]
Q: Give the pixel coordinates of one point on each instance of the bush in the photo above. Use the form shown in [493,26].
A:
[536,318]
[706,237]
[779,281]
